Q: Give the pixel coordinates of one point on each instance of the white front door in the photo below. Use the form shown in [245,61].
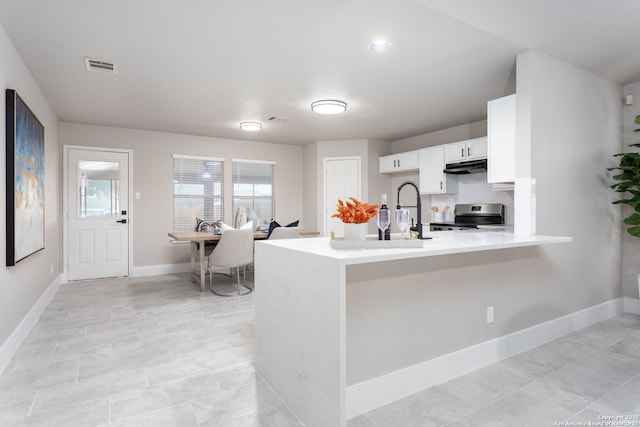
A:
[98,212]
[341,181]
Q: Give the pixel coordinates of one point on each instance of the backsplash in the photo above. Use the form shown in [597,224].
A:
[473,188]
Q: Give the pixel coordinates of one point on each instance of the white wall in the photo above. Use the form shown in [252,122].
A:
[458,133]
[312,214]
[378,182]
[152,215]
[23,284]
[630,244]
[574,119]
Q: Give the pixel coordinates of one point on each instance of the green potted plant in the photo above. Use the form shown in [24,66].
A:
[628,181]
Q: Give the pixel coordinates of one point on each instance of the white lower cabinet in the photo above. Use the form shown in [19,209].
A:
[432,178]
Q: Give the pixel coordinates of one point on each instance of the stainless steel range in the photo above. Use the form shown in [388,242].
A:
[469,216]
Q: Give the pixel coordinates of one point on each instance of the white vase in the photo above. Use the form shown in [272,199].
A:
[241,217]
[355,231]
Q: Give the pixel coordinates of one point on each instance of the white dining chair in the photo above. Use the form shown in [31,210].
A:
[285,233]
[234,250]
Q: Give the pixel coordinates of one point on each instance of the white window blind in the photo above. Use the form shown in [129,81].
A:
[198,184]
[253,188]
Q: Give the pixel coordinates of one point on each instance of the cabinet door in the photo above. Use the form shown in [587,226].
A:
[399,162]
[501,146]
[387,163]
[477,149]
[455,152]
[432,179]
[407,161]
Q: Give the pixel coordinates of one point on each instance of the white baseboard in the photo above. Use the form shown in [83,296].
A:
[11,345]
[370,394]
[157,270]
[631,305]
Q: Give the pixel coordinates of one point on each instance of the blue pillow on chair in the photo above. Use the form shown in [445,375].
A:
[274,225]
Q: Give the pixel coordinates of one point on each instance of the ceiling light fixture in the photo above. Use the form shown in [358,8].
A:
[250,126]
[329,106]
[379,45]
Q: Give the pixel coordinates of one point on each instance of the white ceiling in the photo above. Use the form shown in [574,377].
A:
[202,66]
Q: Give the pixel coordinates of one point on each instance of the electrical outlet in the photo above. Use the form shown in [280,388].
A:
[490,314]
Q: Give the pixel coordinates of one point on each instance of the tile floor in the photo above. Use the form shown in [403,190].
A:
[157,352]
[579,378]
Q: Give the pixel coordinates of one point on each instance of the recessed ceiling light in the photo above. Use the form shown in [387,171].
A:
[329,106]
[379,45]
[250,126]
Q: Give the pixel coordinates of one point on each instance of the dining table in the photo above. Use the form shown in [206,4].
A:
[197,240]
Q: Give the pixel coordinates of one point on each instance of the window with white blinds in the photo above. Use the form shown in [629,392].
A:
[253,188]
[198,189]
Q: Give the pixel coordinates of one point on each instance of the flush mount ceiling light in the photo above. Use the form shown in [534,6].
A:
[250,126]
[329,106]
[379,45]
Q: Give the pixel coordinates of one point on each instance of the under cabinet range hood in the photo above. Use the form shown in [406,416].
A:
[470,166]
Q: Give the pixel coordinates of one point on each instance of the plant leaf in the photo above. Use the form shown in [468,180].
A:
[627,202]
[625,176]
[634,231]
[633,219]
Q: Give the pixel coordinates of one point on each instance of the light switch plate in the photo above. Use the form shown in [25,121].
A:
[490,314]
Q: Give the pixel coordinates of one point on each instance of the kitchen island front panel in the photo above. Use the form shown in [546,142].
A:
[328,320]
[300,331]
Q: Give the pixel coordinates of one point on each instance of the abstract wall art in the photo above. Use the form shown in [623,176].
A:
[25,180]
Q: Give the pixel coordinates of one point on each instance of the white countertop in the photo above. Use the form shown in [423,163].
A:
[442,243]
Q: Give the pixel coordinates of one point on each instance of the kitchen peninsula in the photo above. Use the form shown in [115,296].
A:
[339,331]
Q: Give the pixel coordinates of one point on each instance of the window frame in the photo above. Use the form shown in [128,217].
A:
[188,224]
[253,197]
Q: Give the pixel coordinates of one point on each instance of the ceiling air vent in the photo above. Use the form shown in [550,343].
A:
[100,66]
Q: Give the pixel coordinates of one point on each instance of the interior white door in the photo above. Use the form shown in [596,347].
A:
[341,181]
[98,231]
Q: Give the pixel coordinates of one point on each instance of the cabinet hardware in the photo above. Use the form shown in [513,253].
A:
[398,162]
[123,221]
[394,163]
[441,185]
[468,151]
[462,152]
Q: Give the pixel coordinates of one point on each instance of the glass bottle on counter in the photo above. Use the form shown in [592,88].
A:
[384,220]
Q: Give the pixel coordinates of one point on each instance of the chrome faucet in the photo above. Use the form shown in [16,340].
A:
[418,226]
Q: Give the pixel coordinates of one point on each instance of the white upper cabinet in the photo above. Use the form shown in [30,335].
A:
[432,178]
[501,128]
[400,162]
[477,148]
[471,149]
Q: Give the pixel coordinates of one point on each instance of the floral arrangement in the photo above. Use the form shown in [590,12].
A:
[354,211]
